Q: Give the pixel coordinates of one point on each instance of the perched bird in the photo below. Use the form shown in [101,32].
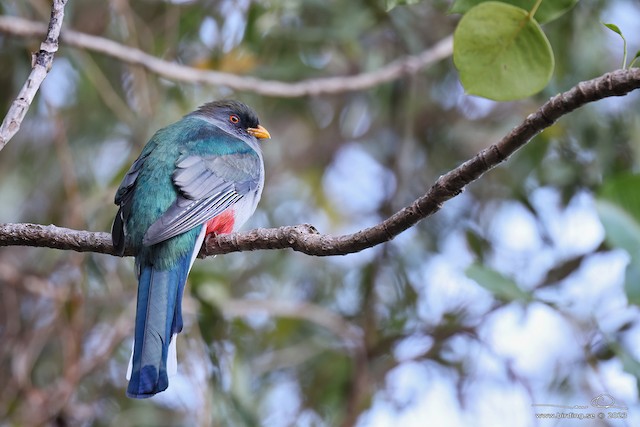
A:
[203,174]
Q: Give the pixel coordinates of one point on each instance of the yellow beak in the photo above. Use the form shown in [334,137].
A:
[259,132]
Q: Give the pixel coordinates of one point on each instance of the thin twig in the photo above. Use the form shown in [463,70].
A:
[174,71]
[306,239]
[41,64]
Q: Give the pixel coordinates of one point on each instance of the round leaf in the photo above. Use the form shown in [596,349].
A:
[501,53]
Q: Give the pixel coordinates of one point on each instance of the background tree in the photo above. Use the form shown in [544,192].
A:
[520,291]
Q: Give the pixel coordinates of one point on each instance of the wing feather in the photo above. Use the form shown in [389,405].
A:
[124,198]
[207,186]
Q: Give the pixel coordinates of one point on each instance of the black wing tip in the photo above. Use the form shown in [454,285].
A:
[118,247]
[117,234]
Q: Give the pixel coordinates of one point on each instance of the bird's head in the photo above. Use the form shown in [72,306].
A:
[235,118]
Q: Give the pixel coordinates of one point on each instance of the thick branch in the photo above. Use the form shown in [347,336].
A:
[41,64]
[305,238]
[50,236]
[173,71]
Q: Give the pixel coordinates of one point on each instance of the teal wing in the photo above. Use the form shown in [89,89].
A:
[207,184]
[124,199]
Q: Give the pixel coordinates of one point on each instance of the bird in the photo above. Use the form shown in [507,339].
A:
[201,175]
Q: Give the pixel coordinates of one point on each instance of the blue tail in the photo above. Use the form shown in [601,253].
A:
[158,318]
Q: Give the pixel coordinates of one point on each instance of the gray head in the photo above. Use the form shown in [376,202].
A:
[233,117]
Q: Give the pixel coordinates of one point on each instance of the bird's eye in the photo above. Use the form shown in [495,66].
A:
[234,119]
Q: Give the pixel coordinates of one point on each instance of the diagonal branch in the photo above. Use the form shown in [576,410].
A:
[408,65]
[306,239]
[41,64]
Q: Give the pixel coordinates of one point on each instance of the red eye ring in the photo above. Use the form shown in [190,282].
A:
[234,119]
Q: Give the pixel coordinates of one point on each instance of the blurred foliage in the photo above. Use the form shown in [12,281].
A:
[547,10]
[278,338]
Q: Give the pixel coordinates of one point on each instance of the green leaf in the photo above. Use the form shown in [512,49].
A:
[501,53]
[619,209]
[622,190]
[477,244]
[632,282]
[629,363]
[614,28]
[548,10]
[562,271]
[502,287]
[622,231]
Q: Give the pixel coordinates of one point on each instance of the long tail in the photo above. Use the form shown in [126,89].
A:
[158,320]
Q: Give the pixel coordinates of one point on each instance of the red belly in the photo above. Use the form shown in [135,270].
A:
[221,224]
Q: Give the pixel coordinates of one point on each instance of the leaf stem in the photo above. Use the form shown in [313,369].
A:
[615,29]
[534,9]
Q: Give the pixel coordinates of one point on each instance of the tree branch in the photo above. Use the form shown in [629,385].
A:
[404,66]
[306,239]
[41,64]
[50,236]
